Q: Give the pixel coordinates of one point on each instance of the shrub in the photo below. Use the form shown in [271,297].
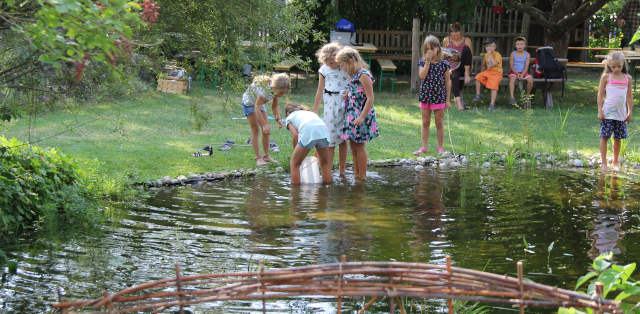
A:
[36,186]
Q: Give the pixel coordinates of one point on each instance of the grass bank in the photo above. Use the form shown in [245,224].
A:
[153,134]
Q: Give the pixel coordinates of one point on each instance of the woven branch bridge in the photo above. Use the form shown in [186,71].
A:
[342,280]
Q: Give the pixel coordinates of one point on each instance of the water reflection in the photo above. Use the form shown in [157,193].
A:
[473,215]
[607,225]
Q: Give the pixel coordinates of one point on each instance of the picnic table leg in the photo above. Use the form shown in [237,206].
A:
[548,97]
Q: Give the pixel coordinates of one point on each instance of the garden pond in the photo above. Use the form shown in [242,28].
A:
[480,217]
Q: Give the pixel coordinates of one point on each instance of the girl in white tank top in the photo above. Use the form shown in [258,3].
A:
[615,104]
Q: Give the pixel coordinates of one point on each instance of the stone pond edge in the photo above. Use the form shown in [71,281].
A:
[446,160]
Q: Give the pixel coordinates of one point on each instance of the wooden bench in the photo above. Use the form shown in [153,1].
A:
[387,69]
[286,66]
[546,84]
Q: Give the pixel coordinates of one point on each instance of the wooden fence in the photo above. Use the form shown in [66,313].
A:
[377,280]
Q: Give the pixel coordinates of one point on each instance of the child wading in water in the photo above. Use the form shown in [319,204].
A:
[435,90]
[519,64]
[615,104]
[332,82]
[360,124]
[308,132]
[262,90]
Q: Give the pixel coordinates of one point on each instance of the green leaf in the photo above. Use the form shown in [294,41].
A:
[600,264]
[584,279]
[70,52]
[635,37]
[550,247]
[524,240]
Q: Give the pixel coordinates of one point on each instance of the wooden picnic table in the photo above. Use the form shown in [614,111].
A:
[584,48]
[366,50]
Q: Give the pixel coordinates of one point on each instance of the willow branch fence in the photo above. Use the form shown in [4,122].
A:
[343,280]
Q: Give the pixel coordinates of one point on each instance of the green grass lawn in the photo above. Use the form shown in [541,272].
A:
[153,134]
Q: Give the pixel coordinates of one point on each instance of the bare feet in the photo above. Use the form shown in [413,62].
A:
[260,162]
[615,167]
[268,158]
[604,167]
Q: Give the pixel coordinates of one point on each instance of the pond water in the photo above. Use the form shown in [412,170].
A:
[477,216]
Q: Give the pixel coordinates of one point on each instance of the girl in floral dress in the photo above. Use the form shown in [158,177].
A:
[360,124]
[435,89]
[332,82]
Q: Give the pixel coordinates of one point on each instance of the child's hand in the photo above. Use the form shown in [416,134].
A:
[429,55]
[601,115]
[448,103]
[519,76]
[628,118]
[358,121]
[344,94]
[280,124]
[467,78]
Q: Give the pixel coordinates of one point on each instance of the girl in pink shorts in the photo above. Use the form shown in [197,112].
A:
[435,90]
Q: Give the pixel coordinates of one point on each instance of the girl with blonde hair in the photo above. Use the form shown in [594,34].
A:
[360,125]
[262,90]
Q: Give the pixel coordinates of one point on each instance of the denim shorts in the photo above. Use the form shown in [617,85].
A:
[251,109]
[319,143]
[617,127]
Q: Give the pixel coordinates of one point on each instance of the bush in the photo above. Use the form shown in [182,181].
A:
[36,186]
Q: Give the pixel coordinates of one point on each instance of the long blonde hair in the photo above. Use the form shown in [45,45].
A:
[431,42]
[277,80]
[617,56]
[327,52]
[294,107]
[351,57]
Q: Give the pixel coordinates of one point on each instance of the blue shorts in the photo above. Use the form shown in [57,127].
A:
[617,127]
[320,143]
[251,109]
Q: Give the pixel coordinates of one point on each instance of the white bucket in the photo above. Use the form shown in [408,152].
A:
[310,171]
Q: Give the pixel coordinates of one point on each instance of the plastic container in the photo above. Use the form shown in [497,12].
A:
[310,171]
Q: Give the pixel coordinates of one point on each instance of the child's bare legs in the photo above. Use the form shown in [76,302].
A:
[255,132]
[325,156]
[342,157]
[616,152]
[298,155]
[603,153]
[512,86]
[359,160]
[426,124]
[494,93]
[529,85]
[439,115]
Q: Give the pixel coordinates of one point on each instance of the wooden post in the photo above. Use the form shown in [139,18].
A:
[521,287]
[415,53]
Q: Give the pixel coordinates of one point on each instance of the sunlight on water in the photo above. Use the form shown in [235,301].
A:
[476,216]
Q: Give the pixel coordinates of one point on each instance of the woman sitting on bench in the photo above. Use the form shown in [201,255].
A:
[460,65]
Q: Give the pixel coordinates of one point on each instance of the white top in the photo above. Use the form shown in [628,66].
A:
[253,91]
[615,102]
[335,80]
[310,126]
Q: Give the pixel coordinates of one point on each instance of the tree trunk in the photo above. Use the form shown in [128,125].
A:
[559,40]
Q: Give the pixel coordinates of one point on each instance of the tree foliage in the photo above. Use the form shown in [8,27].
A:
[558,17]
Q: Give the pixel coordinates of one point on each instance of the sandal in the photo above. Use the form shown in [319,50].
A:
[204,151]
[440,150]
[420,151]
[227,145]
[273,146]
[269,159]
[260,162]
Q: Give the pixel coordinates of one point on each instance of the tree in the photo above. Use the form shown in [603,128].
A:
[559,18]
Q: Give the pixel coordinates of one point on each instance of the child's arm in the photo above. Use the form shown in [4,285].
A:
[319,93]
[527,63]
[367,84]
[294,134]
[629,99]
[484,65]
[601,93]
[423,70]
[276,112]
[511,68]
[447,82]
[261,116]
